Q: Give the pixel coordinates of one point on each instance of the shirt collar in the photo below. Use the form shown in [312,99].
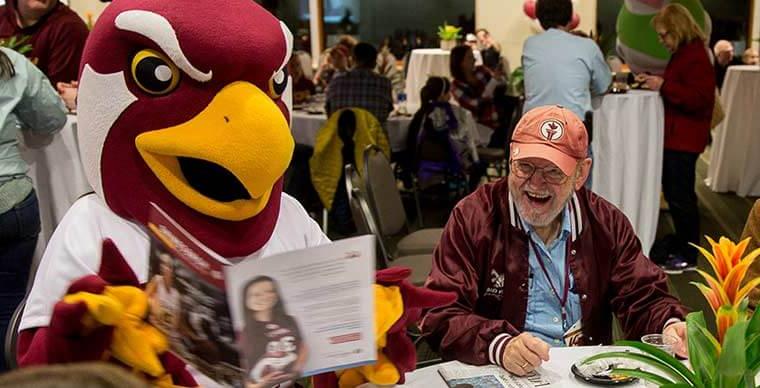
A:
[566,225]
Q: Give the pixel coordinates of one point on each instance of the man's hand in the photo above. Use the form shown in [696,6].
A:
[524,354]
[678,330]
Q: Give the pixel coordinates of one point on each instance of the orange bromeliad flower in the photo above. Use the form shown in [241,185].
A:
[724,293]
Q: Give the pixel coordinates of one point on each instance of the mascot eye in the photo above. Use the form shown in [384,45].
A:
[154,73]
[278,83]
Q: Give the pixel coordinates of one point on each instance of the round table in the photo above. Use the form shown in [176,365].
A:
[304,127]
[424,63]
[735,153]
[556,371]
[628,146]
[58,177]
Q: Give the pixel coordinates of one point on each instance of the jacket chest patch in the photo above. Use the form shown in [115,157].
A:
[495,286]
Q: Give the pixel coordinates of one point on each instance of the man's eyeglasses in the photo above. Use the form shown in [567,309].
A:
[525,170]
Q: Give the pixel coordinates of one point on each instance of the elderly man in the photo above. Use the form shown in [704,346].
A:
[724,57]
[538,261]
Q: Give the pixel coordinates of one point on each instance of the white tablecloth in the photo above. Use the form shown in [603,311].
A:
[305,127]
[424,63]
[735,158]
[628,146]
[58,178]
[556,370]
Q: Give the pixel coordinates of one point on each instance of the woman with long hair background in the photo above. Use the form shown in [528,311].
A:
[274,348]
[688,92]
[31,107]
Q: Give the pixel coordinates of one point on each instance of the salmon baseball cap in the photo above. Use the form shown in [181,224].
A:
[553,133]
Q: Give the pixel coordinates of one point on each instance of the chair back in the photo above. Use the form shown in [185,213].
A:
[11,337]
[361,213]
[341,141]
[382,192]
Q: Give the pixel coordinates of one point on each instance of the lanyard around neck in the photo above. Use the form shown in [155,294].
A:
[566,287]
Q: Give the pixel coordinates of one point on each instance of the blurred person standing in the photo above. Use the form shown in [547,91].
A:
[31,106]
[688,93]
[724,57]
[562,68]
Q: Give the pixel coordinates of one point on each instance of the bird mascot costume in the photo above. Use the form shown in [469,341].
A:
[637,40]
[185,104]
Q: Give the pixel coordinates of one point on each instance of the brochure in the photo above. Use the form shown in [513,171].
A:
[266,320]
[489,376]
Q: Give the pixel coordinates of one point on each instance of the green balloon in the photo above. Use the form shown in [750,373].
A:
[636,32]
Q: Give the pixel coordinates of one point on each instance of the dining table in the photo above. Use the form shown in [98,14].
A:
[554,373]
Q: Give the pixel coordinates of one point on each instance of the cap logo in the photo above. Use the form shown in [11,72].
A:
[552,130]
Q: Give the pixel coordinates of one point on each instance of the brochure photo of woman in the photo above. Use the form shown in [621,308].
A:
[164,296]
[274,348]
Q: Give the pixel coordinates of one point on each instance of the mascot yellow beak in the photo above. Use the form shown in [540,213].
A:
[224,161]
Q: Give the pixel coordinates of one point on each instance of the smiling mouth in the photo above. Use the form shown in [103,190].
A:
[538,199]
[212,180]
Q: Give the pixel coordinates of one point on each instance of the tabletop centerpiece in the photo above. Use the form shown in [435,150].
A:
[449,35]
[730,360]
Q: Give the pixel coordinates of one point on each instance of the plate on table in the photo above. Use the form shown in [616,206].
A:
[599,372]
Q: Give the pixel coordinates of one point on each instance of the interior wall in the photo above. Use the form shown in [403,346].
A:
[380,18]
[510,27]
[85,7]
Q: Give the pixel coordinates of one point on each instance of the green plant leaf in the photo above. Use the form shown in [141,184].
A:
[676,386]
[664,366]
[661,355]
[638,373]
[703,355]
[732,363]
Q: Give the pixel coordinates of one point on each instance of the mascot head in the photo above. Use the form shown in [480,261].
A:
[187,104]
[637,41]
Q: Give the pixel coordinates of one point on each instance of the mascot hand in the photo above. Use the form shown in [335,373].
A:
[112,307]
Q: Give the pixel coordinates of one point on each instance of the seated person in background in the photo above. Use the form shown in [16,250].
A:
[335,62]
[386,66]
[538,261]
[490,50]
[303,88]
[476,89]
[724,57]
[751,57]
[361,87]
[439,126]
[752,230]
[472,41]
